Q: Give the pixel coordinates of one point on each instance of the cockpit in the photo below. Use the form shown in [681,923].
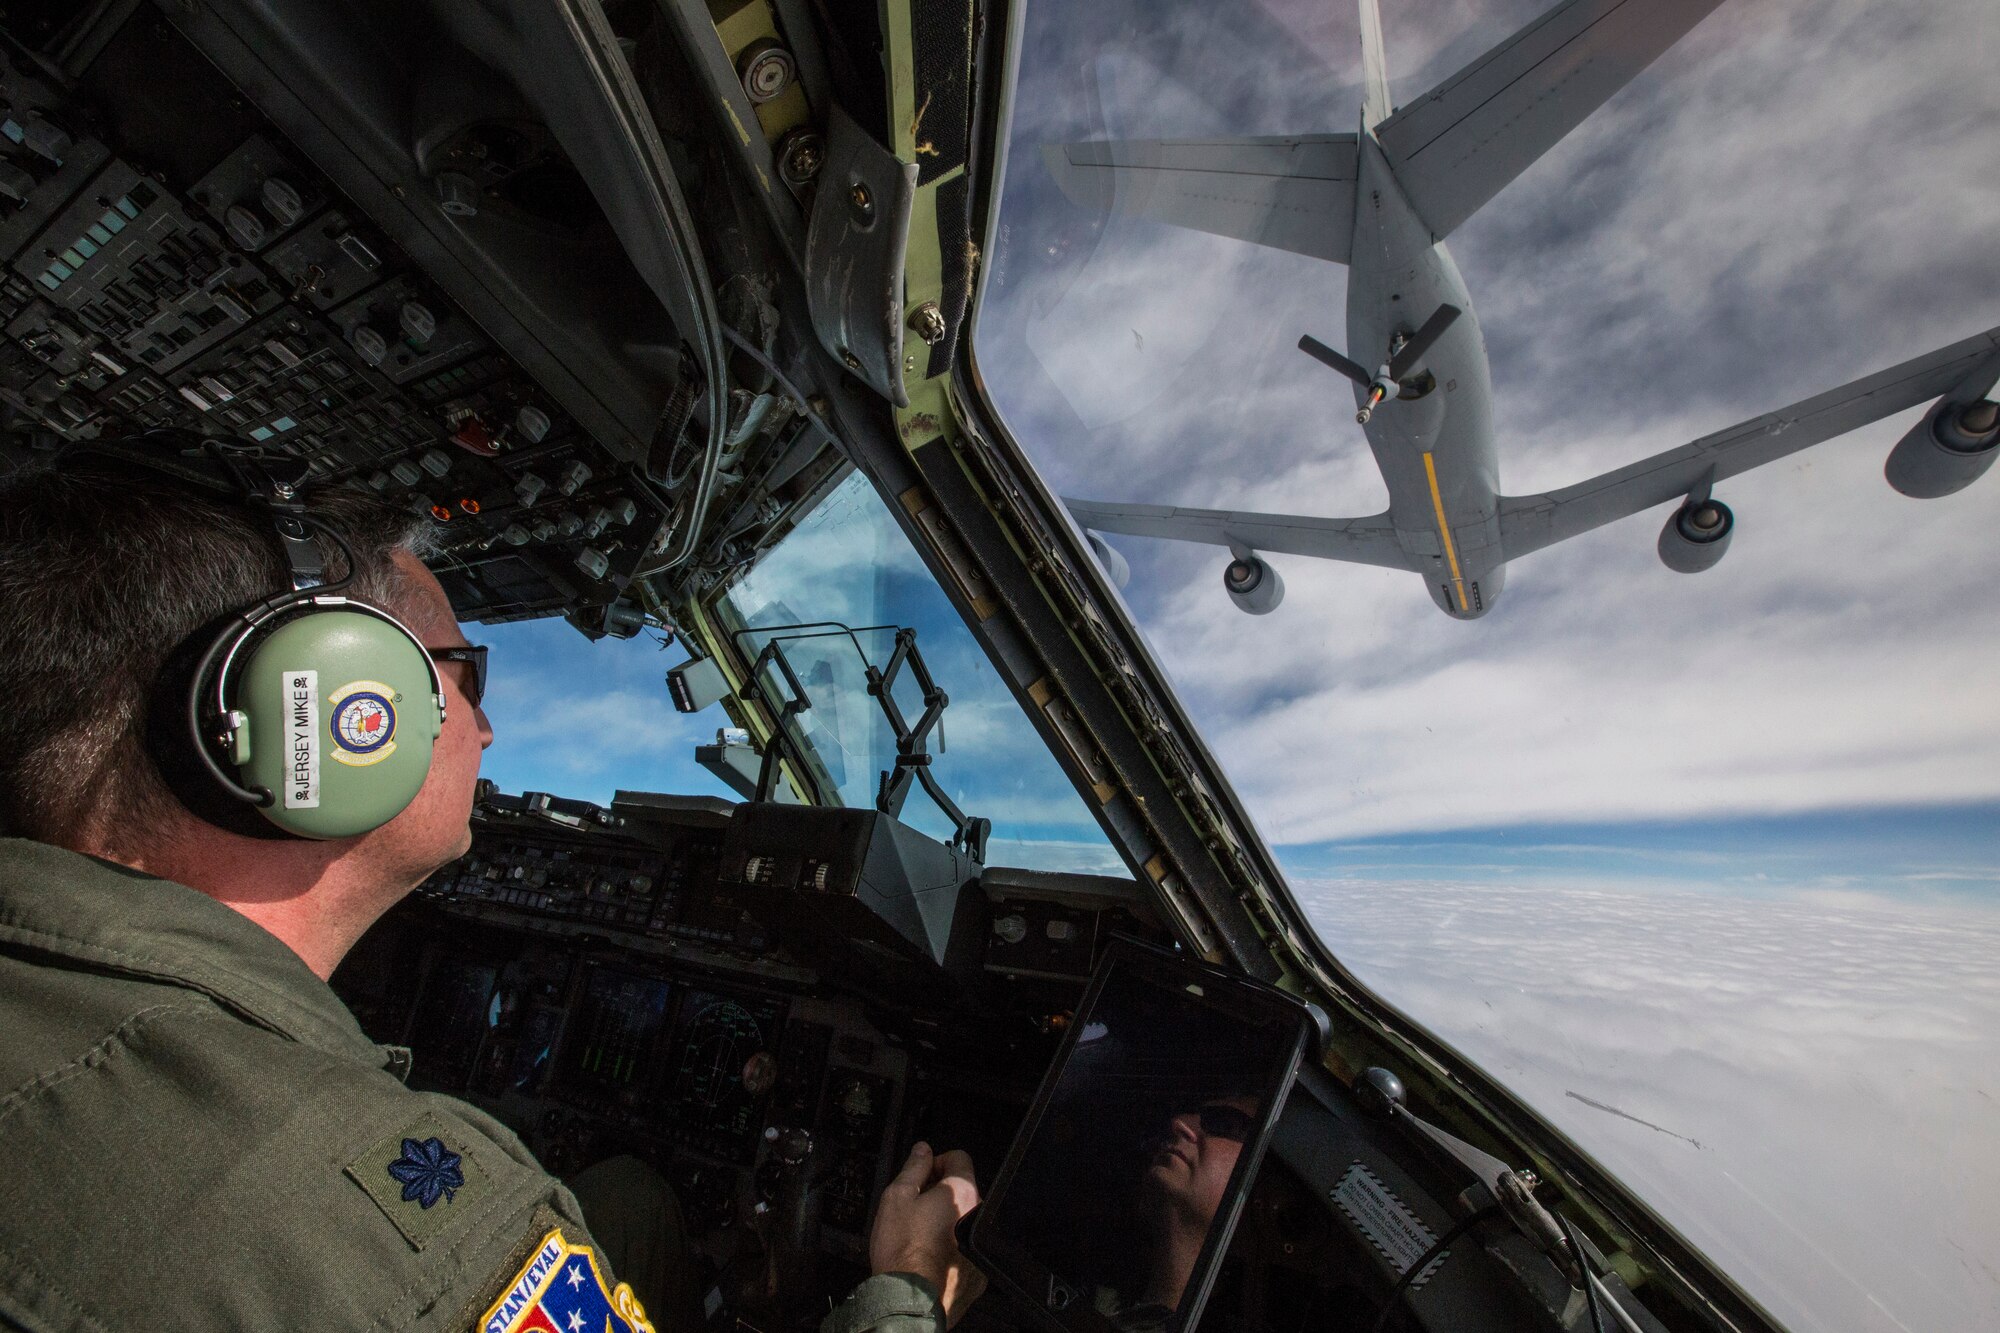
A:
[831,768]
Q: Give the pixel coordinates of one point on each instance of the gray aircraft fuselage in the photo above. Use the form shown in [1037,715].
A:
[1380,201]
[1436,452]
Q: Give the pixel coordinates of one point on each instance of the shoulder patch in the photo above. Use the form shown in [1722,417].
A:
[420,1178]
[561,1290]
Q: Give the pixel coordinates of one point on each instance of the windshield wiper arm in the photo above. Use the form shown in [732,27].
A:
[913,757]
[1381,1093]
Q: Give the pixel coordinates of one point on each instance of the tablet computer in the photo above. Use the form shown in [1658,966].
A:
[1116,1202]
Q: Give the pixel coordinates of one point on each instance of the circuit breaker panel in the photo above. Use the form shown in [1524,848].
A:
[211,280]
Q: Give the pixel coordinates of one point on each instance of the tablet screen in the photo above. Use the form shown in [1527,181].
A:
[1118,1196]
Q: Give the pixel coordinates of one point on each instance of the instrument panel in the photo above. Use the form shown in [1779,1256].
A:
[589,1052]
[600,981]
[665,891]
[596,980]
[723,1069]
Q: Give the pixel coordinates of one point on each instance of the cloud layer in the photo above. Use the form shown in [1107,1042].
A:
[1807,1085]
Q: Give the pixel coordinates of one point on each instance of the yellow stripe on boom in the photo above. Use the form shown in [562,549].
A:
[1444,531]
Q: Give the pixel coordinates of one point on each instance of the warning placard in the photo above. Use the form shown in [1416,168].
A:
[1384,1219]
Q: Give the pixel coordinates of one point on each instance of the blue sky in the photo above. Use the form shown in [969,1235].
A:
[584,719]
[1932,851]
[624,733]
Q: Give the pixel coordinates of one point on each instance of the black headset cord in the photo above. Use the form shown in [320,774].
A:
[1583,1268]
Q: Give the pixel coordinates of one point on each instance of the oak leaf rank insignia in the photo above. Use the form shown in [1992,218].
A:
[428,1171]
[420,1178]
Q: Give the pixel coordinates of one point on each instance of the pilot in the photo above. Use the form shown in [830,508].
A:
[1191,1162]
[196,1132]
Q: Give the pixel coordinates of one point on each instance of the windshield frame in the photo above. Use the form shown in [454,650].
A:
[1042,529]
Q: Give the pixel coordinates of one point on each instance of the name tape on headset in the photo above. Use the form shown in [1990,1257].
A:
[302,731]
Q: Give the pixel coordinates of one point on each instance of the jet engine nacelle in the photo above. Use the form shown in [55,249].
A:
[1253,585]
[1696,536]
[1946,451]
[1113,564]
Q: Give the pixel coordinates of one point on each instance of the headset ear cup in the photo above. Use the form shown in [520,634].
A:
[164,734]
[341,717]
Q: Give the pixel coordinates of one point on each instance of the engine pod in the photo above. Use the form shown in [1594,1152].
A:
[1695,536]
[1109,559]
[1253,585]
[1947,451]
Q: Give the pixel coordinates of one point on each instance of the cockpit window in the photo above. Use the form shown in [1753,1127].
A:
[591,718]
[586,719]
[1701,864]
[833,594]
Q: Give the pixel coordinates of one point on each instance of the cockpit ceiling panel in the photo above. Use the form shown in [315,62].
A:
[222,284]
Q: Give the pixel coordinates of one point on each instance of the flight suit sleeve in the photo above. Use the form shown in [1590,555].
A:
[542,1267]
[888,1303]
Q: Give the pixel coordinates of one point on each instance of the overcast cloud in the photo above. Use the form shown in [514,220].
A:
[1802,1083]
[1801,192]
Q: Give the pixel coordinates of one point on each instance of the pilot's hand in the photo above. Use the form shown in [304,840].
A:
[914,1226]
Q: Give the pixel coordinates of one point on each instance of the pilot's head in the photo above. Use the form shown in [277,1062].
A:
[1193,1160]
[110,569]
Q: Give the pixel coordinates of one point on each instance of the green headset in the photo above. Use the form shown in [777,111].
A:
[316,711]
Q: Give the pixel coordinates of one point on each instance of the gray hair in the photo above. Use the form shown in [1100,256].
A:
[108,568]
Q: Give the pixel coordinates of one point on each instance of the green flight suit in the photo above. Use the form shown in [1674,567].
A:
[196,1134]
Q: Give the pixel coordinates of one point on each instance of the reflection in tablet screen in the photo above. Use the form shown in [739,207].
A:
[1123,1180]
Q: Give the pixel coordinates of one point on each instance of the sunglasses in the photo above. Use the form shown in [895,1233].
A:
[1221,1121]
[475,653]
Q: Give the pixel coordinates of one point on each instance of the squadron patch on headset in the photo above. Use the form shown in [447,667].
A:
[420,1178]
[561,1290]
[363,722]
